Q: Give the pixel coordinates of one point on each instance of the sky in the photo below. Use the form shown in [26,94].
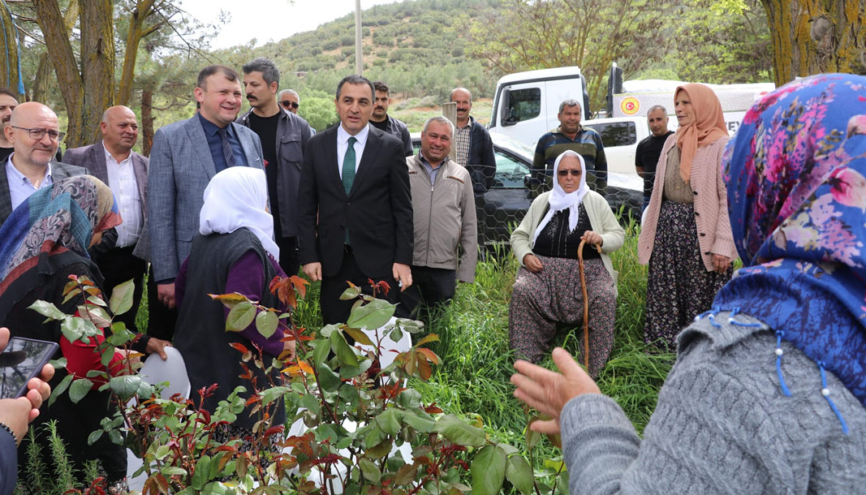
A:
[267,20]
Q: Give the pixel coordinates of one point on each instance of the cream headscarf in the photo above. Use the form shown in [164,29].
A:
[560,200]
[236,198]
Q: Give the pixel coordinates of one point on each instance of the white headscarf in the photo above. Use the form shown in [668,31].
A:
[560,200]
[236,198]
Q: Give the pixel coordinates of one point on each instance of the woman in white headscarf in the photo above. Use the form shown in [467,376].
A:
[233,252]
[547,290]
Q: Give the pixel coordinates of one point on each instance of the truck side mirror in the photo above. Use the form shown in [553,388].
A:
[506,117]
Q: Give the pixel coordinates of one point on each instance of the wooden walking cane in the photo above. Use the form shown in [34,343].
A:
[585,303]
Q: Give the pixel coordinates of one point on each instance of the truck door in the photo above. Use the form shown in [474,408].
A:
[520,114]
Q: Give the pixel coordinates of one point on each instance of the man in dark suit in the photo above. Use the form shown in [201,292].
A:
[34,133]
[184,157]
[354,205]
[112,161]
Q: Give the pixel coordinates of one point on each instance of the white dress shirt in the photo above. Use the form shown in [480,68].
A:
[20,187]
[121,180]
[343,145]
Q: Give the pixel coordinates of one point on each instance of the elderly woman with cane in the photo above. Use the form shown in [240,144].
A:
[548,288]
[768,394]
[686,236]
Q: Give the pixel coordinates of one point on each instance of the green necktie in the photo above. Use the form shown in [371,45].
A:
[349,172]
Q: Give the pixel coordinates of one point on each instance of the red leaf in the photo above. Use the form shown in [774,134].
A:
[239,347]
[274,430]
[432,409]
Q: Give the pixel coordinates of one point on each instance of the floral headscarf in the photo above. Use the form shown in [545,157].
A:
[796,175]
[54,220]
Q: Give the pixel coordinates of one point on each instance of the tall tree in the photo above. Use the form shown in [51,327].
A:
[814,36]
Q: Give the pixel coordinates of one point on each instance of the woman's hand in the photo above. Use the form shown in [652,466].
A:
[548,391]
[592,238]
[721,263]
[532,263]
[290,346]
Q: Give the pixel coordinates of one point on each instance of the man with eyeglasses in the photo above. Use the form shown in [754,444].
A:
[284,136]
[34,133]
[290,100]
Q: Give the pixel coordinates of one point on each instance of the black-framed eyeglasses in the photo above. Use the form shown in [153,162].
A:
[574,172]
[38,134]
[287,104]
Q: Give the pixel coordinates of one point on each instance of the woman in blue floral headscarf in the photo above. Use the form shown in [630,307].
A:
[768,394]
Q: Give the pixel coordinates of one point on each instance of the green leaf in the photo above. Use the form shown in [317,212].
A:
[342,350]
[532,437]
[97,301]
[396,334]
[488,471]
[359,336]
[125,386]
[121,297]
[79,389]
[202,469]
[75,328]
[47,310]
[372,315]
[519,474]
[93,437]
[389,421]
[240,317]
[266,323]
[459,432]
[409,399]
[64,384]
[59,364]
[328,380]
[320,354]
[115,437]
[369,470]
[421,424]
[350,293]
[172,471]
[271,394]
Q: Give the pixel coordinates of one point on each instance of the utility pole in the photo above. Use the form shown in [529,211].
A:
[359,50]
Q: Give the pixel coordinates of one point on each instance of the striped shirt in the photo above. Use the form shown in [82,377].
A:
[587,143]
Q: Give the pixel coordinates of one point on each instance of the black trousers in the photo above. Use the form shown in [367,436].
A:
[431,287]
[161,319]
[335,311]
[289,261]
[117,266]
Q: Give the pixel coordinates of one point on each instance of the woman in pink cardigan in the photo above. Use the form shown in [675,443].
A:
[686,236]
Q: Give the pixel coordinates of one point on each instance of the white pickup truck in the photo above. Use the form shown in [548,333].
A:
[526,104]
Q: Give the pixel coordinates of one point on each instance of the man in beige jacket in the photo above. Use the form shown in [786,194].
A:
[444,209]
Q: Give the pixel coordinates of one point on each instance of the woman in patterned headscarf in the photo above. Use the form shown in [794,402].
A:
[768,394]
[686,237]
[45,241]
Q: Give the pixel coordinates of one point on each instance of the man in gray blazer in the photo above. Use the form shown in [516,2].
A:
[184,157]
[124,255]
[34,133]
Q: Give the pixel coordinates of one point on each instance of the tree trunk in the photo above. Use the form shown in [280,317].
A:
[137,31]
[815,36]
[38,90]
[146,121]
[97,57]
[57,38]
[9,56]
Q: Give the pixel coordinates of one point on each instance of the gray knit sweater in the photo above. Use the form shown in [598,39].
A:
[723,425]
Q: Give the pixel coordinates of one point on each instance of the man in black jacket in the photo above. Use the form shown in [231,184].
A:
[384,122]
[354,205]
[284,136]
